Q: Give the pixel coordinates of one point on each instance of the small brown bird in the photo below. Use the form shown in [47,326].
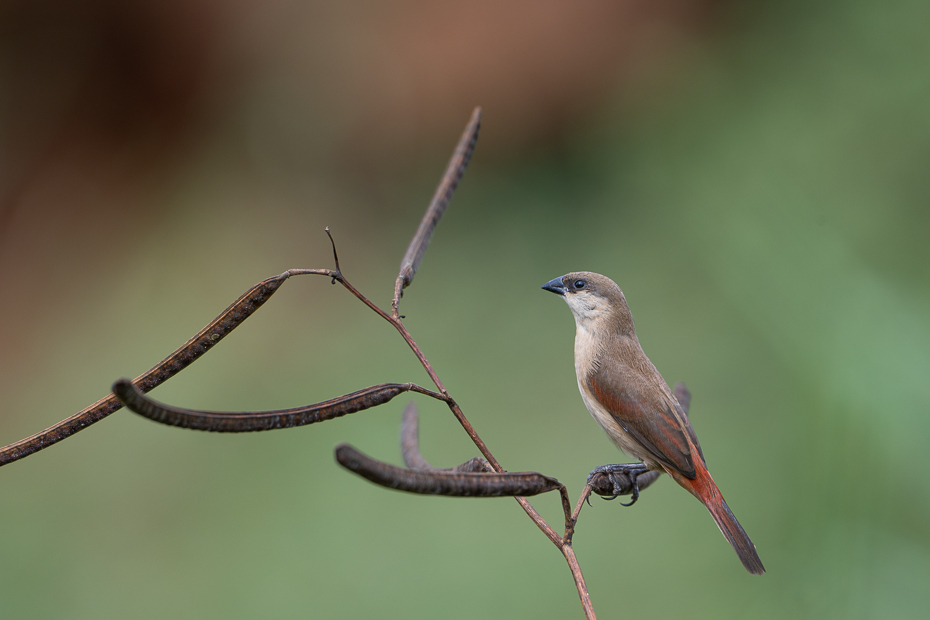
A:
[633,404]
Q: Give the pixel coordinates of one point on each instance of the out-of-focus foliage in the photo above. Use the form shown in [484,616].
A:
[758,188]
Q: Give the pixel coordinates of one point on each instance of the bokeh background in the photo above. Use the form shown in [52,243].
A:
[754,175]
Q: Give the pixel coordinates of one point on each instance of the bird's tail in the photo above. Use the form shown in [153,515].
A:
[734,532]
[705,489]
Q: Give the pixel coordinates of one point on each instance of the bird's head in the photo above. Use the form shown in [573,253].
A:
[595,300]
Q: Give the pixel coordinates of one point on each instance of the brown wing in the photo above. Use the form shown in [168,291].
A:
[643,411]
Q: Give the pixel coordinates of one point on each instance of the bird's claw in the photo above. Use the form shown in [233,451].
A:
[623,479]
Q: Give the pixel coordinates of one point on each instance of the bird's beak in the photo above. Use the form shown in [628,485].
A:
[555,286]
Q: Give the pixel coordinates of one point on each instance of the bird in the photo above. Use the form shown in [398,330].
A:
[633,404]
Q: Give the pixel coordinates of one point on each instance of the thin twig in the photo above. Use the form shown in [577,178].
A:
[249,421]
[184,356]
[450,180]
[585,494]
[333,243]
[569,553]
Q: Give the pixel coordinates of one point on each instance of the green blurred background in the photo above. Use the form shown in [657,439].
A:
[753,175]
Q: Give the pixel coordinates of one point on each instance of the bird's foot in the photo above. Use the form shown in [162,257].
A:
[623,480]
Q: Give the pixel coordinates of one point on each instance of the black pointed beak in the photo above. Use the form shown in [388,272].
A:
[555,286]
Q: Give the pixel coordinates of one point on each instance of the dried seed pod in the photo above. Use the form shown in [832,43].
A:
[438,482]
[249,421]
[455,169]
[184,356]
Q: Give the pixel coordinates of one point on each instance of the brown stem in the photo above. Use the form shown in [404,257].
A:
[585,494]
[580,585]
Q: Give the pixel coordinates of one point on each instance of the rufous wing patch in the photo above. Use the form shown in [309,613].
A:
[653,425]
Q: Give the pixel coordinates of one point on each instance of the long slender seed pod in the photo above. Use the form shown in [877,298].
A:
[184,356]
[250,421]
[455,169]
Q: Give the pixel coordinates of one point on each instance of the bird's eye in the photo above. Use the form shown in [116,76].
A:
[579,284]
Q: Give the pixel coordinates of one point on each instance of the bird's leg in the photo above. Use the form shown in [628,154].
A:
[623,477]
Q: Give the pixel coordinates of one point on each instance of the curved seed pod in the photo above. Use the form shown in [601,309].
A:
[437,482]
[250,421]
[184,356]
[410,440]
[219,328]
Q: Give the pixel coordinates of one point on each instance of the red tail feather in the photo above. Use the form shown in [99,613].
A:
[705,489]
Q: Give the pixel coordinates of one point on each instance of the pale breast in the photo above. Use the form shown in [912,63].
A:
[586,353]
